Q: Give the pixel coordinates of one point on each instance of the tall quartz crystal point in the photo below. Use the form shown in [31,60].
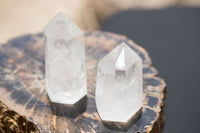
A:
[119,86]
[64,61]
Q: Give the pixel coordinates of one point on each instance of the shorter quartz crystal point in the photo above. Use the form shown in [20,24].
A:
[64,61]
[119,86]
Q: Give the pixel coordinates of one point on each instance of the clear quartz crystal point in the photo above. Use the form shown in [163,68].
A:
[64,61]
[119,86]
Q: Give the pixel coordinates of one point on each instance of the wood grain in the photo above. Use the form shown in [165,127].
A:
[26,106]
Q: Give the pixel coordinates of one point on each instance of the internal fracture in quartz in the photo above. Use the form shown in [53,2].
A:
[64,61]
[119,86]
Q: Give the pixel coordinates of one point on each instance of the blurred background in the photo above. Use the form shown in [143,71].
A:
[168,29]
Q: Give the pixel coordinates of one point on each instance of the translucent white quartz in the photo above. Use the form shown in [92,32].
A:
[64,61]
[119,86]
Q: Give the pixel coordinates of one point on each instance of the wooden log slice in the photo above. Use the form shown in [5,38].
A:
[25,106]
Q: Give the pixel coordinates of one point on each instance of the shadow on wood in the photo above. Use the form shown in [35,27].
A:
[66,110]
[123,126]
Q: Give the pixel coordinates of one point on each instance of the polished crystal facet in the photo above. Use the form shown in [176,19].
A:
[119,86]
[64,61]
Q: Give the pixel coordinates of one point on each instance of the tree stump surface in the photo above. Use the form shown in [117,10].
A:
[25,106]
